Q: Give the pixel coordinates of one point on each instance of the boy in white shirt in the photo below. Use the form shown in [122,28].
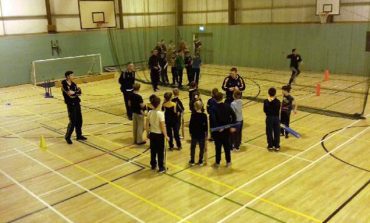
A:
[156,130]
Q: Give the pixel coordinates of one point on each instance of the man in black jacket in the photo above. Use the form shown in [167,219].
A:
[224,115]
[127,80]
[154,69]
[231,83]
[295,60]
[71,95]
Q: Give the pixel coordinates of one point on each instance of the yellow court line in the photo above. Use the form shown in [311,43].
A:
[102,178]
[204,177]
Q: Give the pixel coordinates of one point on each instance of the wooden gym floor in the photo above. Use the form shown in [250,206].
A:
[323,177]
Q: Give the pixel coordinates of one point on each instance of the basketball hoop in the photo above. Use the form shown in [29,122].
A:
[324,17]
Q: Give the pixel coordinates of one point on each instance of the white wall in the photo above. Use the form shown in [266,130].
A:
[148,13]
[14,13]
[292,11]
[205,11]
[29,16]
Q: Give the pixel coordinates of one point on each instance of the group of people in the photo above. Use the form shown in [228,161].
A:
[223,125]
[178,59]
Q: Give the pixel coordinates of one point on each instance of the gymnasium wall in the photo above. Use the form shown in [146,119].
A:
[17,52]
[338,47]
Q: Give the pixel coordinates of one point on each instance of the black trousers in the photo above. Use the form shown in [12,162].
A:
[273,131]
[228,100]
[284,119]
[189,73]
[126,97]
[295,73]
[164,76]
[180,73]
[194,142]
[75,120]
[222,140]
[236,137]
[196,75]
[173,132]
[154,77]
[175,78]
[156,150]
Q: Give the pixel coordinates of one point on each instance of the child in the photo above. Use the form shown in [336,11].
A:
[137,105]
[287,105]
[237,106]
[198,130]
[194,96]
[211,105]
[171,60]
[163,65]
[271,106]
[156,130]
[196,68]
[170,113]
[188,61]
[180,64]
[224,115]
[180,110]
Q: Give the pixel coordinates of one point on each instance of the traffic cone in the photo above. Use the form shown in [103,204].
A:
[43,143]
[318,89]
[326,75]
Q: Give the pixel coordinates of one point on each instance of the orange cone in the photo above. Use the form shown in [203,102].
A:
[326,75]
[318,89]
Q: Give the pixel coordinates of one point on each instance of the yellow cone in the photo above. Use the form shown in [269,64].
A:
[42,143]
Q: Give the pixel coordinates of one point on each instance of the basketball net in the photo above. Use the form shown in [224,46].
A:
[324,17]
[99,25]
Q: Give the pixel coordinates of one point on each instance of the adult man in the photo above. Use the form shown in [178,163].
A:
[154,69]
[295,60]
[71,95]
[231,83]
[127,80]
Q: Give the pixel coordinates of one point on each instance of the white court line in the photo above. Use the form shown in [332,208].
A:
[16,154]
[266,172]
[292,176]
[91,176]
[280,153]
[81,187]
[36,197]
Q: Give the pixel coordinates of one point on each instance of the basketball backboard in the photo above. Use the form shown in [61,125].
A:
[332,7]
[97,14]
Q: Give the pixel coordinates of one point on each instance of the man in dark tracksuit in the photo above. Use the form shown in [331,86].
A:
[224,115]
[127,80]
[154,69]
[231,83]
[295,60]
[71,95]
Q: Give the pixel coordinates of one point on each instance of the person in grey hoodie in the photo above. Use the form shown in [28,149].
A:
[237,106]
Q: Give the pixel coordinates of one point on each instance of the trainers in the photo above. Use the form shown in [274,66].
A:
[270,149]
[286,136]
[200,164]
[171,149]
[237,149]
[216,165]
[162,170]
[153,167]
[141,143]
[191,163]
[69,141]
[82,138]
[228,164]
[277,149]
[179,148]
